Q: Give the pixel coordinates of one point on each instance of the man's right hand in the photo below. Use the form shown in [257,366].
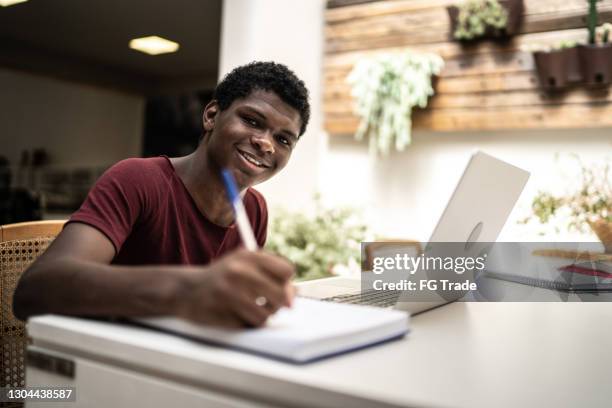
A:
[243,288]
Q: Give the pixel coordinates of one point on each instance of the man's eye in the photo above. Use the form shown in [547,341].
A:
[250,122]
[284,140]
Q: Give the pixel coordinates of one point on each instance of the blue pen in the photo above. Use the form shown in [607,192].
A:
[242,219]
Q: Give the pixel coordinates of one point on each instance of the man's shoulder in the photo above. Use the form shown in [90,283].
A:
[140,168]
[140,163]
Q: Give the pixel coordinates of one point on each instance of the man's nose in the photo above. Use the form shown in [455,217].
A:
[264,142]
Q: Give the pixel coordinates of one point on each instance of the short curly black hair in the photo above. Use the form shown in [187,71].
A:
[266,76]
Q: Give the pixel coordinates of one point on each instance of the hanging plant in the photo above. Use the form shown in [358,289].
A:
[476,16]
[386,88]
[475,19]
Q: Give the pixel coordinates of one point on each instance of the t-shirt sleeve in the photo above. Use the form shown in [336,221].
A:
[115,202]
[258,214]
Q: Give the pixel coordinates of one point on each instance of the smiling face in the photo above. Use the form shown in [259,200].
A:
[253,137]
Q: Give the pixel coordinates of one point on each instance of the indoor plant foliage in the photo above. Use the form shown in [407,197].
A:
[592,20]
[603,33]
[386,88]
[476,16]
[589,205]
[316,243]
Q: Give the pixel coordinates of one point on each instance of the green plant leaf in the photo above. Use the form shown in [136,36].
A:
[591,200]
[476,15]
[318,242]
[386,88]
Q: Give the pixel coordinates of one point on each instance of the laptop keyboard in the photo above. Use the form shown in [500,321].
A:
[378,298]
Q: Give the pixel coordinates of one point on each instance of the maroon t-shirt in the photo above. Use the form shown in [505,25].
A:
[144,208]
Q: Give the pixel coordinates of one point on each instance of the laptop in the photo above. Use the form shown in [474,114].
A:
[476,212]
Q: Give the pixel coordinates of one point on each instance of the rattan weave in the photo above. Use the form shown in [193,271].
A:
[15,257]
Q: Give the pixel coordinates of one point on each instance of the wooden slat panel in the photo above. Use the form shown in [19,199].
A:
[344,3]
[439,32]
[494,82]
[485,86]
[393,23]
[495,71]
[450,49]
[498,62]
[518,99]
[484,100]
[431,25]
[382,8]
[533,117]
[464,65]
[536,117]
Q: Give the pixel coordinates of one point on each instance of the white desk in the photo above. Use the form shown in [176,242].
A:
[459,355]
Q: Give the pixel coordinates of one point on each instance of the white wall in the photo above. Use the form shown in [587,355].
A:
[405,193]
[288,32]
[77,124]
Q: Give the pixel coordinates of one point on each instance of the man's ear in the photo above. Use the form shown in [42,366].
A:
[210,115]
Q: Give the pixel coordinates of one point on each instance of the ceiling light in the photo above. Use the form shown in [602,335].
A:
[6,3]
[153,45]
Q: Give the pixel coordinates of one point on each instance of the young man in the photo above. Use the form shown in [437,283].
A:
[156,236]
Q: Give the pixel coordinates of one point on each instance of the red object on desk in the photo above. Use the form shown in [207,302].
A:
[586,271]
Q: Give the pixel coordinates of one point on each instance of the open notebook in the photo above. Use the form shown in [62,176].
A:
[310,330]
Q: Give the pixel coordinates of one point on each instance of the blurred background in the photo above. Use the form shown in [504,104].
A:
[75,98]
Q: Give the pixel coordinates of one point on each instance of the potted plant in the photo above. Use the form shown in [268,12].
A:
[319,243]
[596,55]
[476,19]
[588,205]
[386,89]
[557,66]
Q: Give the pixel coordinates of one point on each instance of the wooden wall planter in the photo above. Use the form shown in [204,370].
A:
[590,65]
[515,9]
[557,69]
[596,64]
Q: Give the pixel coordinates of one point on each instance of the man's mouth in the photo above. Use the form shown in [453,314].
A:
[251,158]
